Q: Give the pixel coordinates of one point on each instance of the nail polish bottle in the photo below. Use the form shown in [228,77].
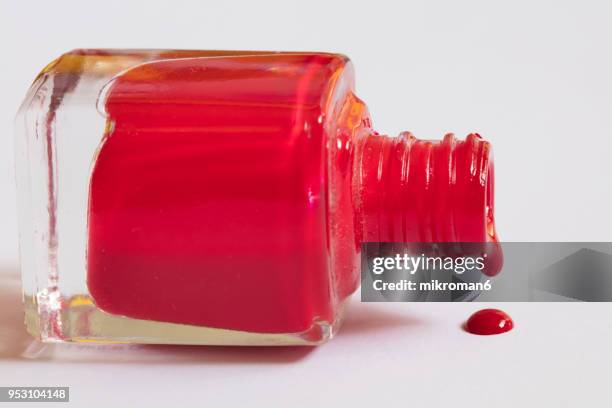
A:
[219,197]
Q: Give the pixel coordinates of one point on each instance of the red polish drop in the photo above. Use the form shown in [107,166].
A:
[489,321]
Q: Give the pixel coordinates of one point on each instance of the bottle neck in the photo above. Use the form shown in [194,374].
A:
[411,190]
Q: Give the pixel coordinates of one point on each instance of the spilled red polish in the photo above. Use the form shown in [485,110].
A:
[488,322]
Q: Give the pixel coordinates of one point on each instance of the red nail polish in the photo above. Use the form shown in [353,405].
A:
[220,197]
[489,321]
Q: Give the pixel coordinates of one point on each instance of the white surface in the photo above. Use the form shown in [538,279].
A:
[531,76]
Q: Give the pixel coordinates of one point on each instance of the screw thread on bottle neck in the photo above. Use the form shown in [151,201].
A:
[411,190]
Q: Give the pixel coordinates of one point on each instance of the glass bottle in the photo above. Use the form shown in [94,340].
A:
[219,197]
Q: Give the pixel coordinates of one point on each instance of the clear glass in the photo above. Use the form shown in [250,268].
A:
[66,135]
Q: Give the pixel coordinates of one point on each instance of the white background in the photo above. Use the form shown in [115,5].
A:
[533,77]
